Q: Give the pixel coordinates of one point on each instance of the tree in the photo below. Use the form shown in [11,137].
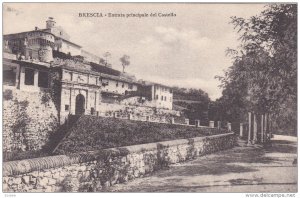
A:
[107,55]
[195,103]
[263,76]
[125,61]
[102,61]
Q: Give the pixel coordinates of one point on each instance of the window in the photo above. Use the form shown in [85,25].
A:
[66,107]
[123,85]
[156,97]
[43,79]
[29,76]
[104,82]
[162,98]
[165,98]
[130,86]
[117,84]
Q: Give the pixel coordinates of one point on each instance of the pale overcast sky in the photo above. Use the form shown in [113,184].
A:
[187,50]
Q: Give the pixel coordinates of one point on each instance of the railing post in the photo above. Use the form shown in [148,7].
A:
[262,129]
[254,129]
[265,127]
[211,124]
[163,119]
[172,120]
[229,126]
[187,121]
[197,123]
[249,128]
[219,124]
[241,129]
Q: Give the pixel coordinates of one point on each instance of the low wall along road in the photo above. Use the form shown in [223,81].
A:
[93,171]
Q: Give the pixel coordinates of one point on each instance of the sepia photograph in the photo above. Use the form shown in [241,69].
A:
[150,98]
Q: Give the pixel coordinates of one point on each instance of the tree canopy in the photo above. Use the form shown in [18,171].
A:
[125,60]
[263,75]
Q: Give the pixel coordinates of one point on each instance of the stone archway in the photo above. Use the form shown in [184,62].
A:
[80,103]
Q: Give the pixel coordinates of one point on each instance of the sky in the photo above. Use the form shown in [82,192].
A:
[186,50]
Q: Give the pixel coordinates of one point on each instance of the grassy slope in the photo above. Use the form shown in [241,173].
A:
[93,133]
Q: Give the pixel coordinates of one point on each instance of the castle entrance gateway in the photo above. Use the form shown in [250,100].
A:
[80,103]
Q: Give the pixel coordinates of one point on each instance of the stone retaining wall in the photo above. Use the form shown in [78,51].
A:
[93,171]
[28,119]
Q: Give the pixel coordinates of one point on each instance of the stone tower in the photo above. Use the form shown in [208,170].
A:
[50,23]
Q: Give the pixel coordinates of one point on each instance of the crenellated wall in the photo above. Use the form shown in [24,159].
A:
[96,170]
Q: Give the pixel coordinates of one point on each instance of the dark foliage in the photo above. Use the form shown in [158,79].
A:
[195,102]
[94,133]
[104,69]
[7,94]
[263,76]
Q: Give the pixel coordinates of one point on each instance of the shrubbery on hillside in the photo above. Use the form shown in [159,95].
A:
[94,133]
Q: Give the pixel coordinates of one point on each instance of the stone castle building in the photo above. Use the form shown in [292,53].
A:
[44,67]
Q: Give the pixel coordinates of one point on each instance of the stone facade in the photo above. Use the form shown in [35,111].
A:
[31,45]
[52,47]
[96,170]
[38,67]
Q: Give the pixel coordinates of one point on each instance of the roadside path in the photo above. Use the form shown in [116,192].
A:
[241,169]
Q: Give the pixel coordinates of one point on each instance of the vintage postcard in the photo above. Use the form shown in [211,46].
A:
[150,97]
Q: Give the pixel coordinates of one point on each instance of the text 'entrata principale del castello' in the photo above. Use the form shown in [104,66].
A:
[47,77]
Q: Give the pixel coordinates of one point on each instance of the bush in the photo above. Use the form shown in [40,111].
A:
[96,133]
[7,95]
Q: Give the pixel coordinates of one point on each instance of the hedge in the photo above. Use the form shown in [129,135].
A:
[95,133]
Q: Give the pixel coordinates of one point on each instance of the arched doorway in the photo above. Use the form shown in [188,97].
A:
[80,102]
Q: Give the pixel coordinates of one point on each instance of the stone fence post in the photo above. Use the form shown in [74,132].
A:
[211,124]
[265,127]
[229,126]
[172,120]
[241,129]
[219,124]
[197,123]
[130,116]
[262,129]
[254,129]
[187,121]
[249,127]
